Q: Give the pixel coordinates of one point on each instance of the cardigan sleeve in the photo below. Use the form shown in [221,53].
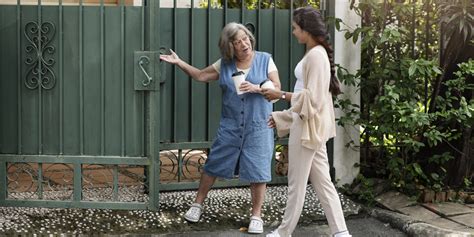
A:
[309,101]
[283,120]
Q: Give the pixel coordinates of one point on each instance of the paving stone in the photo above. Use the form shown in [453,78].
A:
[418,212]
[467,219]
[448,208]
[447,224]
[394,200]
[470,205]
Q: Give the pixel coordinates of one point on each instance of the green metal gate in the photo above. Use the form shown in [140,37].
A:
[89,114]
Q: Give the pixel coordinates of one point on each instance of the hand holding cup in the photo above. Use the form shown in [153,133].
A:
[238,78]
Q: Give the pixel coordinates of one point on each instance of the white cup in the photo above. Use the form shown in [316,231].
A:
[238,78]
[268,85]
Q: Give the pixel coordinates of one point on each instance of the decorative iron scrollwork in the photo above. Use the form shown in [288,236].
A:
[39,70]
[22,181]
[192,162]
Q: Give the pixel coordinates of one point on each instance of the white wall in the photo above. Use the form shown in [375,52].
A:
[347,54]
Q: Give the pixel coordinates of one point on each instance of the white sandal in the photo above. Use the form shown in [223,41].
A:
[194,213]
[256,225]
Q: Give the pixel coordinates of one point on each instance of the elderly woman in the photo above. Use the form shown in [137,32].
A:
[244,143]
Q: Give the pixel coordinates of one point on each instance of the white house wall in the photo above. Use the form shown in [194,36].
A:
[347,54]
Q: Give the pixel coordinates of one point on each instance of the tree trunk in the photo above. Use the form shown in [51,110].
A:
[462,167]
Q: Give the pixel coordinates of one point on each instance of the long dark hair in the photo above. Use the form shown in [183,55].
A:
[311,21]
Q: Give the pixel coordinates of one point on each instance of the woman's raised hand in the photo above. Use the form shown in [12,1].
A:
[170,58]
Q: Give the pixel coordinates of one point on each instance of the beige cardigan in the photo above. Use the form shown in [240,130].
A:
[313,104]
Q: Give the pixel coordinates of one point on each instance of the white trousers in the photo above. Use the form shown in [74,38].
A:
[304,163]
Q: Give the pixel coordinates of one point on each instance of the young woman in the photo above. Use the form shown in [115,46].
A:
[311,123]
[244,142]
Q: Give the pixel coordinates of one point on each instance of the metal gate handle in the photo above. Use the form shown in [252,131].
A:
[145,60]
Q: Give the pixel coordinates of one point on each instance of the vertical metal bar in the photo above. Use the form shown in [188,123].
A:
[291,76]
[331,11]
[155,147]
[40,180]
[116,183]
[81,76]
[175,88]
[18,70]
[142,95]
[242,7]
[225,11]
[180,164]
[40,88]
[274,30]
[208,62]
[77,192]
[102,79]
[259,19]
[191,62]
[154,123]
[273,163]
[122,77]
[60,81]
[3,181]
[142,47]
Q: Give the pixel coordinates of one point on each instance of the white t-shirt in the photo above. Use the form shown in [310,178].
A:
[299,85]
[271,67]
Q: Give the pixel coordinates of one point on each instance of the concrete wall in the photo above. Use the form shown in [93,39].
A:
[347,54]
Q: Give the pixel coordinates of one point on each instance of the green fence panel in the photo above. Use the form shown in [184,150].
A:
[69,103]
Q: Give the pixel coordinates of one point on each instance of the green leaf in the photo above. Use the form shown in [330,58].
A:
[436,69]
[348,35]
[418,169]
[356,35]
[412,69]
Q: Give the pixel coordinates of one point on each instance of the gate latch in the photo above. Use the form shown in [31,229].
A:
[144,70]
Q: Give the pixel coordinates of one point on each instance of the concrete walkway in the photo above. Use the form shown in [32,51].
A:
[227,213]
[427,219]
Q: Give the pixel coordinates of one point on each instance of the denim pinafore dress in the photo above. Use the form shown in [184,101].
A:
[244,143]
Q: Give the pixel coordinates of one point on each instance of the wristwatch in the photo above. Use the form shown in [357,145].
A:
[283,95]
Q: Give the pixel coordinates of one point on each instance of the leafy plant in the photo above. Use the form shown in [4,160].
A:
[411,120]
[362,189]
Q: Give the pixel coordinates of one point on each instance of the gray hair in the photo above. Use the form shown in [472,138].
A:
[228,36]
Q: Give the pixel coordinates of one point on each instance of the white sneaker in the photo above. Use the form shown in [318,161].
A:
[274,234]
[194,213]
[342,234]
[256,225]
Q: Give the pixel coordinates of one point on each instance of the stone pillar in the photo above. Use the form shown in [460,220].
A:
[347,54]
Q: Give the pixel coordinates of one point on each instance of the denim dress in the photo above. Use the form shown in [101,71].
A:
[244,143]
